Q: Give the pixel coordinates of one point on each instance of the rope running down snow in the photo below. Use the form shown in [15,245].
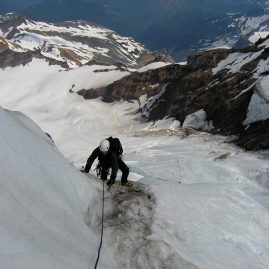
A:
[102,227]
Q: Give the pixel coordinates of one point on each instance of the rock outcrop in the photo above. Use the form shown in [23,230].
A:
[221,82]
[11,58]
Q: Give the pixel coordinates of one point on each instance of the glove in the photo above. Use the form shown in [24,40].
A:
[83,169]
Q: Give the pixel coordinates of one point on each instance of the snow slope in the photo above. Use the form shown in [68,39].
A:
[47,207]
[43,93]
[210,209]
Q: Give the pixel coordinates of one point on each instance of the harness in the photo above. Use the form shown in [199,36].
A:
[98,169]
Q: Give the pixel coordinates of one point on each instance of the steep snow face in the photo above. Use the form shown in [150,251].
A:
[75,43]
[48,209]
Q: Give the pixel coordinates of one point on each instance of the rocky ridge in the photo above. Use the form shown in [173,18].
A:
[220,82]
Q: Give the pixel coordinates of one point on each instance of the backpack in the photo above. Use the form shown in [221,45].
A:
[115,145]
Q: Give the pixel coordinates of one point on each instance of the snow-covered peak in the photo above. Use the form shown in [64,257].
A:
[75,43]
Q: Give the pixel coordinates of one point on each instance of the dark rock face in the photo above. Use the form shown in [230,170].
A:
[137,84]
[3,45]
[183,90]
[10,58]
[256,136]
[206,60]
[92,93]
[11,21]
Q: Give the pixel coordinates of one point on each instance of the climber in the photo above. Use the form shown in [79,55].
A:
[108,158]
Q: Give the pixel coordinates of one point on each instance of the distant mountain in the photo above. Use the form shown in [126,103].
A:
[126,17]
[179,26]
[204,30]
[69,43]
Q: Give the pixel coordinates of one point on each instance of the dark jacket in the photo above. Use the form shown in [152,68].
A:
[110,160]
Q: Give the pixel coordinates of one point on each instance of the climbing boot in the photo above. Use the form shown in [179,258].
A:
[110,183]
[127,184]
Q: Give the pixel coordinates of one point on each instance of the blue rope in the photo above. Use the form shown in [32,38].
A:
[102,229]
